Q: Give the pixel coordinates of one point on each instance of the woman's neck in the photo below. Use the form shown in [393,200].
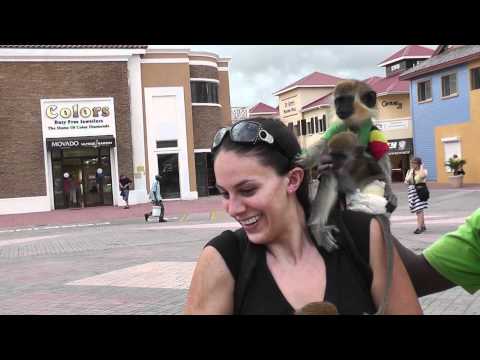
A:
[293,241]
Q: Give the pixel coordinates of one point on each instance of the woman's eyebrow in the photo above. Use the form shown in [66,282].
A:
[240,184]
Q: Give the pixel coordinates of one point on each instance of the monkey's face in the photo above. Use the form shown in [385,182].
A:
[354,102]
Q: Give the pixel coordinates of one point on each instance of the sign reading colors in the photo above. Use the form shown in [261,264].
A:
[64,118]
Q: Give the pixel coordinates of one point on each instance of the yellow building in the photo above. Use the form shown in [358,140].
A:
[294,97]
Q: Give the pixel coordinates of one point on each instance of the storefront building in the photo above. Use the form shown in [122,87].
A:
[75,118]
[393,104]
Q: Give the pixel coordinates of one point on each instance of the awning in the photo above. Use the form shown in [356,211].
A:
[81,142]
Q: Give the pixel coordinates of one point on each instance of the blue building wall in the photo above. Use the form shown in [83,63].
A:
[426,117]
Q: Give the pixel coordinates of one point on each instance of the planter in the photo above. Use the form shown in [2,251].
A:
[456,181]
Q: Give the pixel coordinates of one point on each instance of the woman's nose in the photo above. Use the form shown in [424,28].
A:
[234,206]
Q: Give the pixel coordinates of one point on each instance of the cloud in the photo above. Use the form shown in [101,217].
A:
[256,71]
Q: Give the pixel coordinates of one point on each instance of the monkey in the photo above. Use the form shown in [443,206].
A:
[355,105]
[318,308]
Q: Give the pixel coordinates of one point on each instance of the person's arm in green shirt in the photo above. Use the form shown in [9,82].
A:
[456,255]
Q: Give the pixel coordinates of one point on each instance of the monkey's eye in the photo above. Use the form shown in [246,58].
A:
[369,99]
[341,100]
[338,156]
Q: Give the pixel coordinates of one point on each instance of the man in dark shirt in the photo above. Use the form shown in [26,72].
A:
[125,183]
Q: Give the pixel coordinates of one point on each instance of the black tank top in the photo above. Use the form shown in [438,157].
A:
[349,276]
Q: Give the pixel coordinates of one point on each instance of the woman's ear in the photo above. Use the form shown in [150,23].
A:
[295,178]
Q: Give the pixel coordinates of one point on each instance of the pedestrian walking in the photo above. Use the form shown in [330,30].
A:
[416,177]
[156,198]
[125,184]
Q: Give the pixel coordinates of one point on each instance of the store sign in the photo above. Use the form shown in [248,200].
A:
[402,146]
[72,143]
[63,118]
[396,103]
[239,113]
[392,125]
[289,107]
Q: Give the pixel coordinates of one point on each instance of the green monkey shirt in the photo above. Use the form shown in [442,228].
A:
[368,135]
[456,255]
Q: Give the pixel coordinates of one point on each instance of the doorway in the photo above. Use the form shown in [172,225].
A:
[205,175]
[168,170]
[82,177]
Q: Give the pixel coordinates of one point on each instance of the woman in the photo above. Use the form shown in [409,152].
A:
[415,175]
[272,265]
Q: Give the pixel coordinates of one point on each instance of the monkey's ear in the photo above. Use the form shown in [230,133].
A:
[369,98]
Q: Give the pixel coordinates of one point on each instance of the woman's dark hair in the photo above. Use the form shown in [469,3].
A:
[270,155]
[417,160]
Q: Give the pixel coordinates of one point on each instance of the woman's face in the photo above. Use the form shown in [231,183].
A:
[253,194]
[414,165]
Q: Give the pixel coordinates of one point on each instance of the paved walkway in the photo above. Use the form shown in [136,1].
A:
[108,261]
[192,209]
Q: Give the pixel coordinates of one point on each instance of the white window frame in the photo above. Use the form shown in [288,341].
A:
[395,67]
[451,146]
[418,92]
[456,85]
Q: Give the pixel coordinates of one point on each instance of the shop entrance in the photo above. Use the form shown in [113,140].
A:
[82,177]
[170,181]
[400,165]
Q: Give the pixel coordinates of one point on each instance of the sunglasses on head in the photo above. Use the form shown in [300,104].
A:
[245,132]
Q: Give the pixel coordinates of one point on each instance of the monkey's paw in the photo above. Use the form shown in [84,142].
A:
[392,203]
[304,160]
[323,236]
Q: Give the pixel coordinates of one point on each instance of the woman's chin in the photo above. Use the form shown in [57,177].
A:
[255,232]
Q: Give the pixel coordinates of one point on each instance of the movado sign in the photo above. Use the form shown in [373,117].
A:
[63,118]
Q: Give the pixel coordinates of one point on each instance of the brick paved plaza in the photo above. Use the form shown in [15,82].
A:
[108,261]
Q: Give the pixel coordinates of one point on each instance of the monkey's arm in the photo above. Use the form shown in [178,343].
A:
[386,166]
[325,199]
[312,155]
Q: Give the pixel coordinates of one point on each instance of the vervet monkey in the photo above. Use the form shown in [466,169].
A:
[318,308]
[355,105]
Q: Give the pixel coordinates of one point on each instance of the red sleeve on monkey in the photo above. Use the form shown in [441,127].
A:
[377,145]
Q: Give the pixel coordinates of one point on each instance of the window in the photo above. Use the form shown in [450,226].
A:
[394,67]
[475,78]
[290,126]
[167,144]
[297,128]
[316,124]
[311,126]
[304,127]
[424,90]
[449,85]
[323,123]
[451,147]
[204,92]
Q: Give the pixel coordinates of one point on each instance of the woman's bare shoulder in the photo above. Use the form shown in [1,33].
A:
[211,289]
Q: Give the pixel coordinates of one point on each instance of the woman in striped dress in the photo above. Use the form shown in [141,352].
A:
[416,174]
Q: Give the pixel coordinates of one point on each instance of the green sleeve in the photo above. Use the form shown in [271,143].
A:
[456,255]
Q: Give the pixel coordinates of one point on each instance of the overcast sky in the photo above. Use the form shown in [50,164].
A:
[256,71]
